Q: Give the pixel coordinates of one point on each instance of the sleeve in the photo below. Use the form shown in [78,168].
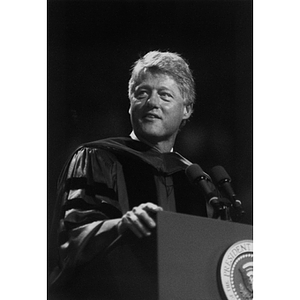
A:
[89,207]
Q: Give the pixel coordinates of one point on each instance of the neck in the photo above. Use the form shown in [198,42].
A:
[162,146]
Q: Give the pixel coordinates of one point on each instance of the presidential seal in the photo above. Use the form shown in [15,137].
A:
[236,271]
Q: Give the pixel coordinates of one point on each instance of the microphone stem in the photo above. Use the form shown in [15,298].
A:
[220,209]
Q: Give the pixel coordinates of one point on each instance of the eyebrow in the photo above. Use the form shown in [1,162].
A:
[145,85]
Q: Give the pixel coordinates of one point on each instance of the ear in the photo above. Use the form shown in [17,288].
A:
[187,111]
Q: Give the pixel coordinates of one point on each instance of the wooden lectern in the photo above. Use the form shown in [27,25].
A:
[179,261]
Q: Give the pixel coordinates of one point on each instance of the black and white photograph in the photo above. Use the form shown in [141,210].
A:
[149,149]
[150,108]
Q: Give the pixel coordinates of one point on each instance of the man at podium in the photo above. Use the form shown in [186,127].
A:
[111,189]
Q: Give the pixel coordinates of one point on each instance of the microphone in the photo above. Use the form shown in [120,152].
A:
[223,180]
[199,178]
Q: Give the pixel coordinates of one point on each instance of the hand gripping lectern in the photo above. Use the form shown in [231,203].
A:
[180,260]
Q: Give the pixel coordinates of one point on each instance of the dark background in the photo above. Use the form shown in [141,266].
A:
[93,44]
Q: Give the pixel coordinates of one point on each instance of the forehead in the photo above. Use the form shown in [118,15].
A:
[157,79]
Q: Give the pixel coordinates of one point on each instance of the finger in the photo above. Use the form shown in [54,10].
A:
[126,224]
[149,206]
[144,217]
[137,226]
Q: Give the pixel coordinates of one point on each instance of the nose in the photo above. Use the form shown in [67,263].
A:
[153,100]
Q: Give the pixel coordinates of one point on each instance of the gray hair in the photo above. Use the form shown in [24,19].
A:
[171,64]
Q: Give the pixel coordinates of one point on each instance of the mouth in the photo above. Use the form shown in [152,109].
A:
[151,116]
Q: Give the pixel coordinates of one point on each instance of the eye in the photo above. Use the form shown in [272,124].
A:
[141,94]
[166,96]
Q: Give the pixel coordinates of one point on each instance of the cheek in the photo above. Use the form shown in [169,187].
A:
[176,116]
[132,109]
[135,107]
[176,112]
[135,112]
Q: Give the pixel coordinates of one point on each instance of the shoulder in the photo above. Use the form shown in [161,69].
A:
[104,152]
[90,156]
[109,143]
[105,147]
[93,160]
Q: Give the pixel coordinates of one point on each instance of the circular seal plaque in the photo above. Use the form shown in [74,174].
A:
[236,271]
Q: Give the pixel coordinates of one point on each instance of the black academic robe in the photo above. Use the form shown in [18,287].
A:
[102,181]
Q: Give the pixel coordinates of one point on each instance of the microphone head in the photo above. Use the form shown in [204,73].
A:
[219,174]
[193,172]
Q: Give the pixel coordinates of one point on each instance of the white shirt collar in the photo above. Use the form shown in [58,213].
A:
[134,137]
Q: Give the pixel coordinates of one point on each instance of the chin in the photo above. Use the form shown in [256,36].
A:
[150,135]
[150,130]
